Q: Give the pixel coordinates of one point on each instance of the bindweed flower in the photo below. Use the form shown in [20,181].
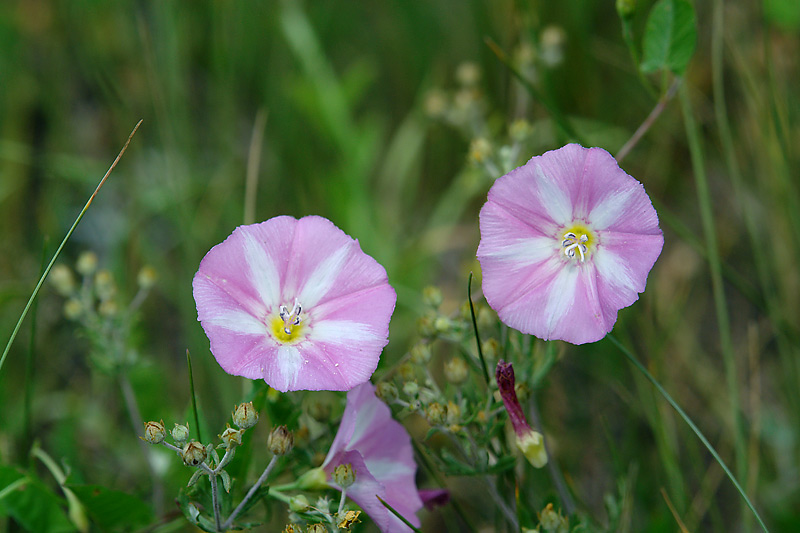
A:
[296,303]
[379,451]
[567,240]
[530,442]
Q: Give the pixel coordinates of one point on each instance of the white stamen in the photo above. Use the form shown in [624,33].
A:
[290,318]
[573,242]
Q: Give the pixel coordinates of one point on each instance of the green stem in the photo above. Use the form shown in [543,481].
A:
[689,422]
[715,265]
[477,335]
[194,396]
[61,246]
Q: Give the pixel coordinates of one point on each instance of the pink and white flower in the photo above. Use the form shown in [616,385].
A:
[379,450]
[567,240]
[296,303]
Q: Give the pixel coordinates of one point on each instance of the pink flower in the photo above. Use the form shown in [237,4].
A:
[295,302]
[379,449]
[567,240]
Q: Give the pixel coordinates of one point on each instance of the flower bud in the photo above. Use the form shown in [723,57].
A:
[73,309]
[468,73]
[531,444]
[299,503]
[386,391]
[406,371]
[453,414]
[232,437]
[432,296]
[421,353]
[108,307]
[245,416]
[147,277]
[86,263]
[104,285]
[62,280]
[436,413]
[479,150]
[193,453]
[154,432]
[317,528]
[410,388]
[435,103]
[314,479]
[293,528]
[425,325]
[626,8]
[180,434]
[519,130]
[344,475]
[456,371]
[280,440]
[553,522]
[490,348]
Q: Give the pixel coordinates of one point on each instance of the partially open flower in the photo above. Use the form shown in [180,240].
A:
[296,303]
[379,450]
[530,442]
[566,241]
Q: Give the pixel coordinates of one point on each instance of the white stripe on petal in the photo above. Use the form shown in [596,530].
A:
[561,297]
[321,280]
[613,270]
[263,275]
[341,331]
[554,198]
[525,251]
[289,362]
[236,321]
[610,208]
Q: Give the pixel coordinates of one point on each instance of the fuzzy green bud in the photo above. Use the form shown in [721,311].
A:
[425,325]
[432,296]
[406,371]
[193,453]
[421,353]
[344,475]
[280,441]
[468,73]
[314,479]
[480,149]
[180,433]
[86,263]
[491,348]
[453,414]
[410,388]
[108,307]
[73,309]
[626,8]
[104,285]
[299,504]
[62,280]
[232,437]
[154,432]
[245,415]
[519,130]
[436,413]
[553,522]
[456,371]
[147,277]
[531,444]
[386,391]
[317,528]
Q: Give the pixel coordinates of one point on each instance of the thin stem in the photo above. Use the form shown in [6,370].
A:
[251,492]
[215,500]
[552,467]
[341,501]
[689,422]
[477,335]
[61,246]
[253,162]
[715,265]
[138,422]
[649,121]
[194,396]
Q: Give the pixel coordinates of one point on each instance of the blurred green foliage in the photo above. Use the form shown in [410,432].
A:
[349,136]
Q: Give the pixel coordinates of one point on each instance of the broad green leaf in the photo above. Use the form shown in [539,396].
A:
[670,37]
[32,504]
[112,509]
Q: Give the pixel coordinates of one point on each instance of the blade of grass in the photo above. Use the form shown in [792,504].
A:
[61,246]
[398,515]
[27,431]
[627,353]
[477,335]
[253,163]
[715,267]
[194,397]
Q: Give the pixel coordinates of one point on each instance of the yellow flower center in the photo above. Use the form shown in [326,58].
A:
[286,325]
[577,242]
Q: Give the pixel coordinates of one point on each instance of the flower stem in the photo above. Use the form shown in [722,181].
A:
[715,265]
[194,396]
[649,121]
[689,422]
[215,500]
[251,492]
[477,335]
[552,467]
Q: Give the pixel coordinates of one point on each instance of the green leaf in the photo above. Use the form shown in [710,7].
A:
[670,37]
[112,509]
[32,504]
